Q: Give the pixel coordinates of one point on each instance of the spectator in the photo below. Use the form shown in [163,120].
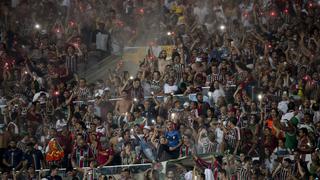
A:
[34,157]
[13,157]
[82,154]
[105,156]
[186,148]
[232,136]
[54,173]
[174,140]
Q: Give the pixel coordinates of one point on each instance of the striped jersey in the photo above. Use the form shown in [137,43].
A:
[82,93]
[283,173]
[185,151]
[71,63]
[232,137]
[215,77]
[243,174]
[179,69]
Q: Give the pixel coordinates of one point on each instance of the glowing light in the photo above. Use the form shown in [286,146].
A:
[25,72]
[222,27]
[71,23]
[169,33]
[260,97]
[173,115]
[131,77]
[135,99]
[306,78]
[273,14]
[269,46]
[37,26]
[75,45]
[56,93]
[141,11]
[286,11]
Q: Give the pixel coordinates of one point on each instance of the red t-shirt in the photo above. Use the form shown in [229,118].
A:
[102,157]
[66,143]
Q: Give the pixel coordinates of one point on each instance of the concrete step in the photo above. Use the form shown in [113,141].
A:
[95,69]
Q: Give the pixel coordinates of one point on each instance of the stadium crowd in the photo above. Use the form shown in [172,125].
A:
[242,83]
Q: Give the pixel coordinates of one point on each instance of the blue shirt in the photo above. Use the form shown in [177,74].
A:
[173,138]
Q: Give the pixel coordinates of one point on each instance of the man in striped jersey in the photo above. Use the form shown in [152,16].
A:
[232,136]
[187,148]
[177,66]
[82,91]
[244,172]
[284,171]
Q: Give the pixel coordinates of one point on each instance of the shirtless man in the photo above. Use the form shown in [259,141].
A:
[123,105]
[162,62]
[4,137]
[198,67]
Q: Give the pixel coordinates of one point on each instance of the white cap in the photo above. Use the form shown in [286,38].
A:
[147,127]
[186,104]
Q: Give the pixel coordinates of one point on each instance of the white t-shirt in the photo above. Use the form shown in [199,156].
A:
[287,117]
[60,124]
[283,106]
[101,130]
[217,94]
[219,138]
[219,135]
[169,89]
[101,41]
[316,117]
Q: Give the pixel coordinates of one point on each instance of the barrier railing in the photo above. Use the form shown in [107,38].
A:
[205,91]
[136,171]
